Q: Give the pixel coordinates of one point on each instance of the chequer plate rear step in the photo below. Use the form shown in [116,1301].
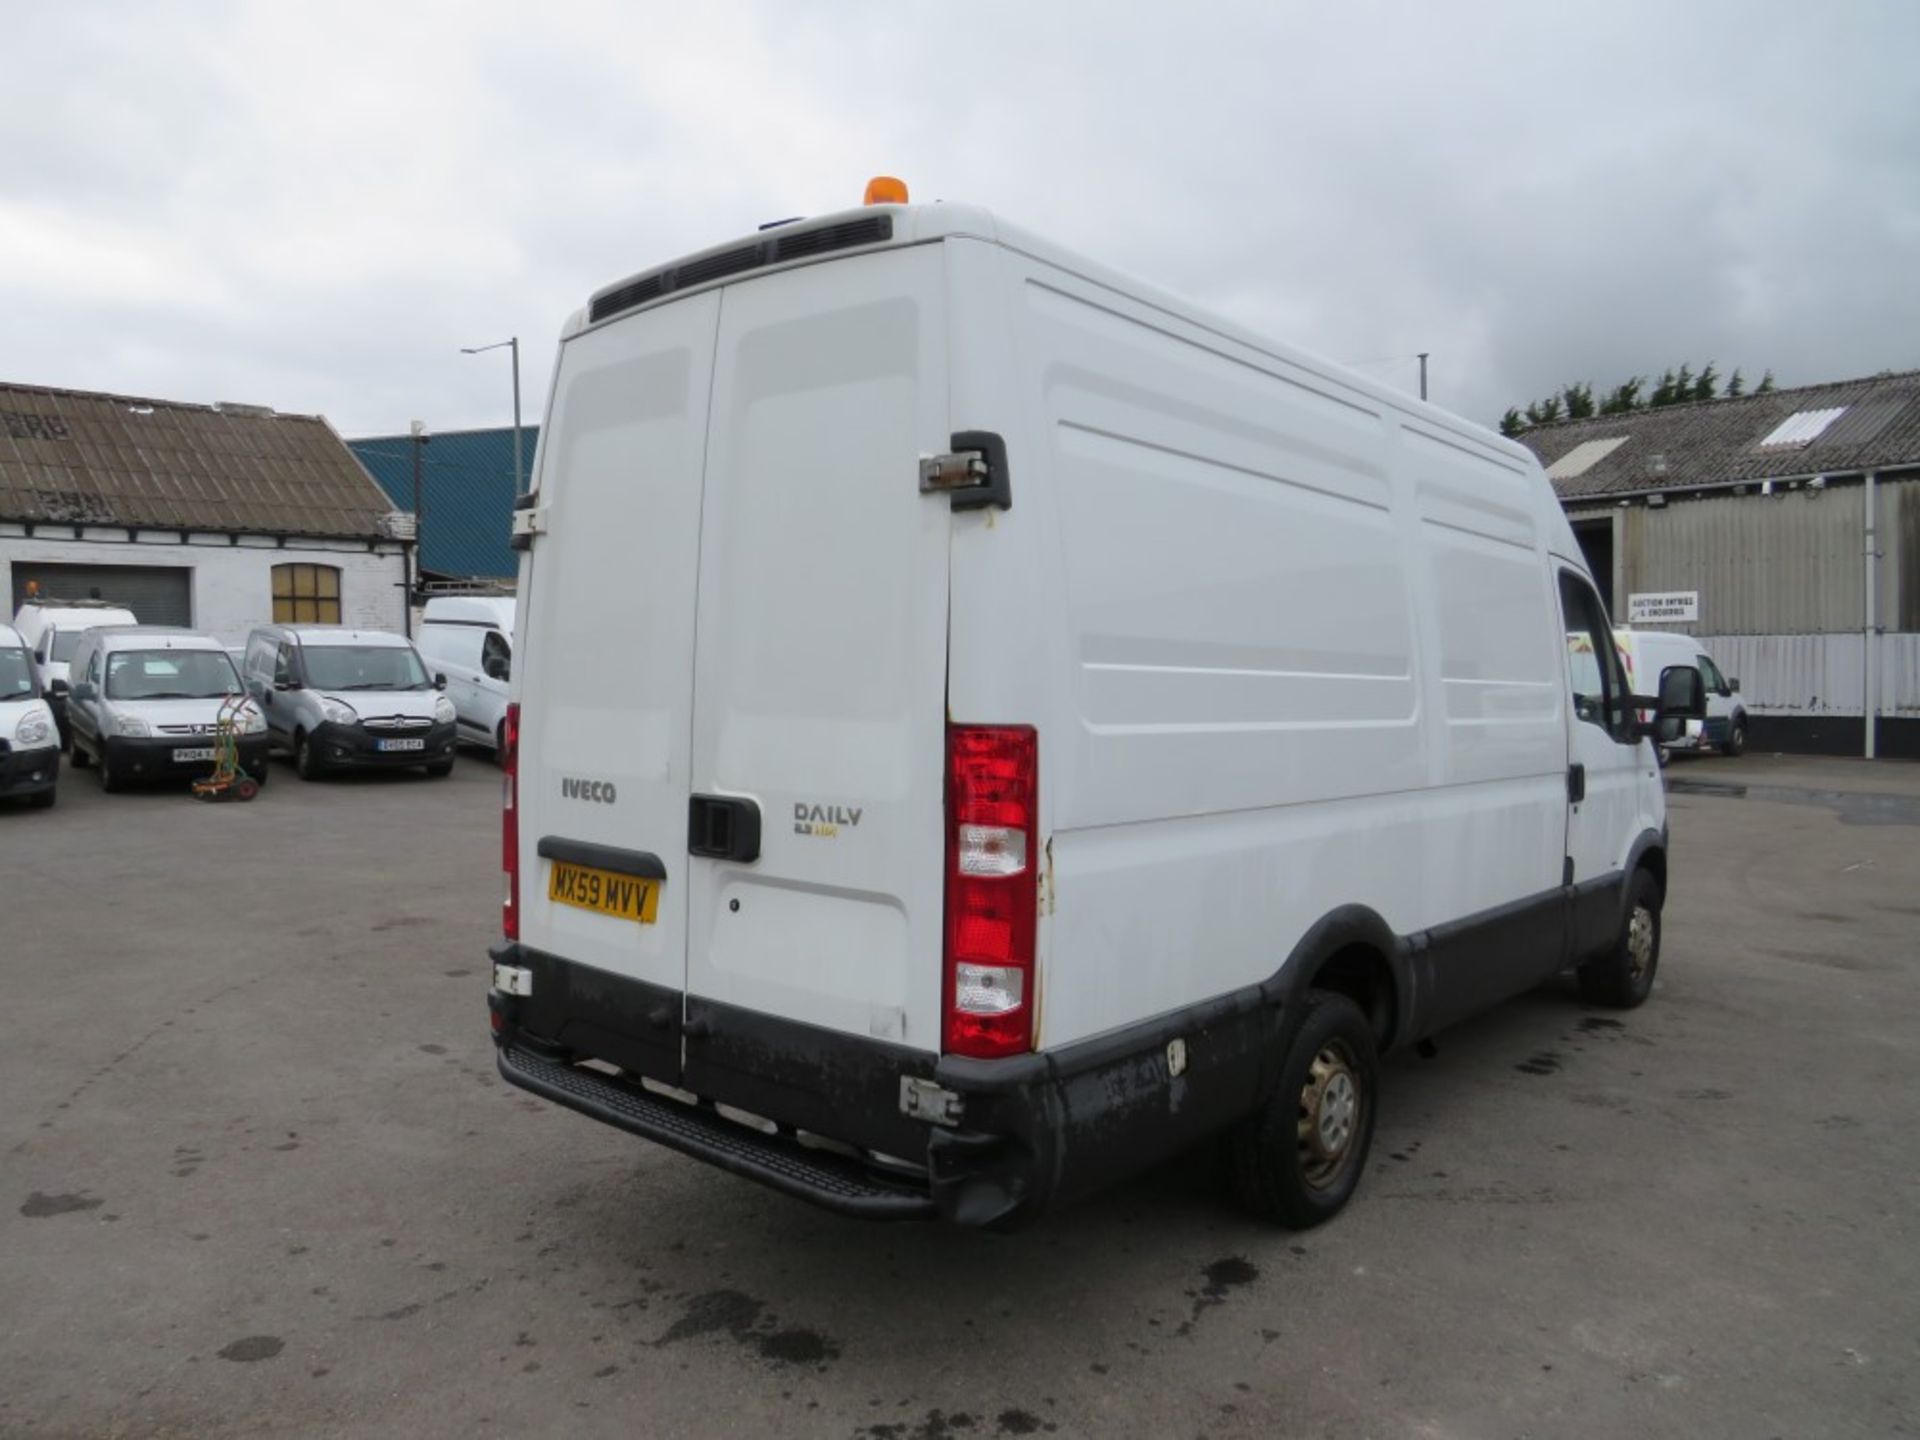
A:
[826,1179]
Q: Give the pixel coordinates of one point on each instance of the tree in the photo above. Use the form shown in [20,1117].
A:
[1736,387]
[1765,387]
[1579,401]
[1703,387]
[1544,412]
[1511,423]
[1623,397]
[1675,387]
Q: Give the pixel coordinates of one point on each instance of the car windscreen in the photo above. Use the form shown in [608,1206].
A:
[170,675]
[16,673]
[65,642]
[364,667]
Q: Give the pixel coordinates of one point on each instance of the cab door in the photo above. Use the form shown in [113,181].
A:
[1606,763]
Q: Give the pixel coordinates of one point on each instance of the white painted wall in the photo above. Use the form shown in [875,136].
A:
[232,584]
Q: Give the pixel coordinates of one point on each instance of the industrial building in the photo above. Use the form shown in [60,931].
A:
[467,487]
[1783,529]
[217,517]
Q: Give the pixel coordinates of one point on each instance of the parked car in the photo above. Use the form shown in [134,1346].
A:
[338,698]
[469,638]
[983,725]
[146,701]
[52,630]
[29,739]
[1724,727]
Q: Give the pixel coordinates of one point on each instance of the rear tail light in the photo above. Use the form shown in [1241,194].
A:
[510,823]
[993,781]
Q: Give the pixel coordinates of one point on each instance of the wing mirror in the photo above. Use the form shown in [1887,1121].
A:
[440,681]
[39,657]
[1733,684]
[82,691]
[1683,693]
[58,687]
[496,667]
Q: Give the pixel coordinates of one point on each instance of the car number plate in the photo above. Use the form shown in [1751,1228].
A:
[402,744]
[604,892]
[181,757]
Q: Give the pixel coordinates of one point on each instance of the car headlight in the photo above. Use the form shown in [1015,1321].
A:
[34,730]
[442,709]
[131,726]
[339,712]
[252,722]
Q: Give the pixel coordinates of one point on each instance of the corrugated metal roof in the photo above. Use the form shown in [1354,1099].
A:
[467,478]
[1801,428]
[76,457]
[1717,442]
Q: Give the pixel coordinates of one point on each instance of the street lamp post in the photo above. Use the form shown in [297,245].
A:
[519,474]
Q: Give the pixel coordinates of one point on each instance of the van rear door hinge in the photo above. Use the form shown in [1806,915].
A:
[529,520]
[974,474]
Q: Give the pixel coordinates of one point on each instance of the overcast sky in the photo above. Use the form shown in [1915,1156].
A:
[231,202]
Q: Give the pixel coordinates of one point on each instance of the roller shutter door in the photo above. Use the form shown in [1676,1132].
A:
[156,594]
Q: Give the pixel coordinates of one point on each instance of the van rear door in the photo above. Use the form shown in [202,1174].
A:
[821,660]
[608,685]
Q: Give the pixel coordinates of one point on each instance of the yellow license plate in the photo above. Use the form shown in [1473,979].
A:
[604,892]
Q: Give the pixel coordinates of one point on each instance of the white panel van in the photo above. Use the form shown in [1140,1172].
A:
[1647,652]
[983,724]
[469,639]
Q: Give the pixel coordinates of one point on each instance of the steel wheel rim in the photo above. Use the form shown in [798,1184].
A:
[1640,935]
[1332,1110]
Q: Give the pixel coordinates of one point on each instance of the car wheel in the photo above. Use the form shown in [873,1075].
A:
[79,757]
[441,769]
[1737,736]
[1298,1159]
[305,763]
[111,779]
[43,801]
[1623,977]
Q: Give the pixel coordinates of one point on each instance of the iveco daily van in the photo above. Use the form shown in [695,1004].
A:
[337,698]
[29,740]
[52,630]
[1648,652]
[469,639]
[984,724]
[145,703]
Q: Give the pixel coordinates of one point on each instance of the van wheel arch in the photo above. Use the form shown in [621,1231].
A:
[1353,952]
[1363,975]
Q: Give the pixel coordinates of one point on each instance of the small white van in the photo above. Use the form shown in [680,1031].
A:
[52,630]
[469,639]
[146,704]
[983,724]
[29,739]
[1724,727]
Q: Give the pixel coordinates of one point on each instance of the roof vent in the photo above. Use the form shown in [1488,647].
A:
[721,264]
[1656,464]
[398,525]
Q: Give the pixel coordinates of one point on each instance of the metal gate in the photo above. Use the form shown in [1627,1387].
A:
[156,594]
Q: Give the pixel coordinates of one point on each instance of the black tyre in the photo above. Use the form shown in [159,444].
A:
[1737,736]
[259,775]
[440,769]
[1298,1159]
[111,780]
[81,760]
[1623,977]
[305,763]
[42,801]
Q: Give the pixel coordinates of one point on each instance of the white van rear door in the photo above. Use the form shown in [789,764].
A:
[607,681]
[820,671]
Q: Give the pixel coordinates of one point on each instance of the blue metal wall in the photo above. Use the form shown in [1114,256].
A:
[469,489]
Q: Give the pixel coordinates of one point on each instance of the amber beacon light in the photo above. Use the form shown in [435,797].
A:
[885,190]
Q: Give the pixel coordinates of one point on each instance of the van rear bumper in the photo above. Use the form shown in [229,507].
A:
[1028,1133]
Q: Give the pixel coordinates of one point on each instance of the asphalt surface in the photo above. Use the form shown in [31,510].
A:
[258,1177]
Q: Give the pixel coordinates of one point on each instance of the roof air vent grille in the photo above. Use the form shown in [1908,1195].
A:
[796,245]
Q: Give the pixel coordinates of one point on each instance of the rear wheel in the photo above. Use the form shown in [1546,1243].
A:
[1623,977]
[246,787]
[1298,1159]
[305,763]
[1737,736]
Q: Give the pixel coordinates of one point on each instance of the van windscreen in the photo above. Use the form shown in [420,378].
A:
[364,667]
[65,642]
[170,675]
[16,674]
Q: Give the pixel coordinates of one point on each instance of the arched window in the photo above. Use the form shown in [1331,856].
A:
[306,594]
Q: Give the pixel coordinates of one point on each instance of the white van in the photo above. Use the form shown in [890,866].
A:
[29,739]
[984,724]
[52,630]
[1648,652]
[146,702]
[469,639]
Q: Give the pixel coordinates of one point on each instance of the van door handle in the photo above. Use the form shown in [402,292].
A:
[723,827]
[1576,784]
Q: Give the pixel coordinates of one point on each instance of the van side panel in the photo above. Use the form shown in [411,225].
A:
[1250,737]
[609,686]
[821,668]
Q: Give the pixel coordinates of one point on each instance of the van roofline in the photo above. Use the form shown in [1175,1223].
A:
[924,224]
